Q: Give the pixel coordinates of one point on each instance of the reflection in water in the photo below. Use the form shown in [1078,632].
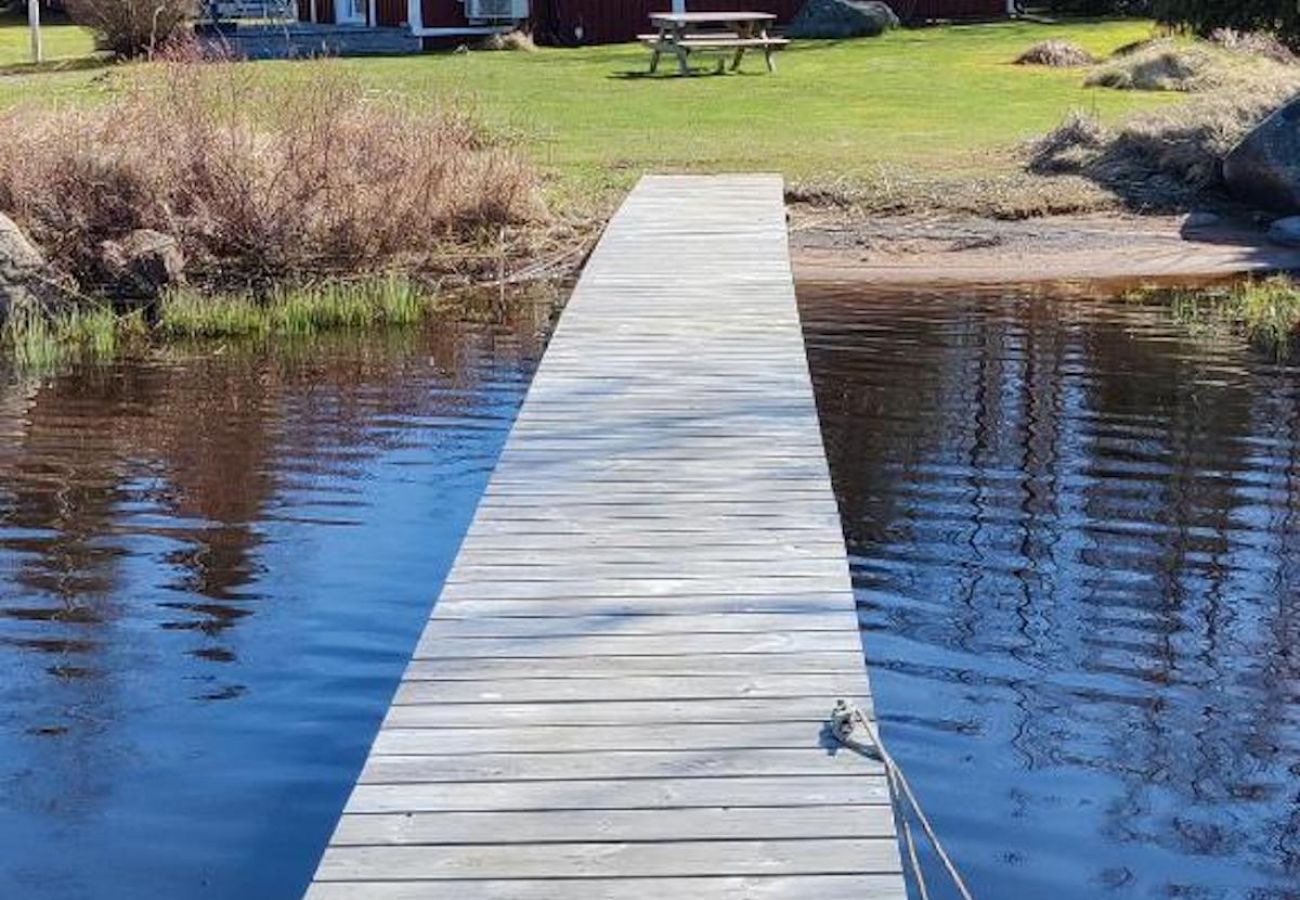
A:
[1075,541]
[236,525]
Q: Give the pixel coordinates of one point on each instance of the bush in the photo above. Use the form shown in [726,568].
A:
[1100,7]
[132,28]
[1279,17]
[261,181]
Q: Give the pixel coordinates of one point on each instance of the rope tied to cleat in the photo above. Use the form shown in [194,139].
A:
[856,732]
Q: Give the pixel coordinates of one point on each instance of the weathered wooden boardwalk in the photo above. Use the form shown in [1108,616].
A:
[623,688]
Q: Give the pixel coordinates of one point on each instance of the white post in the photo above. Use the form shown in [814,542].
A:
[34,25]
[679,6]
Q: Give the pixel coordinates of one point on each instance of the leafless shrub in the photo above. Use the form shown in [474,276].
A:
[132,28]
[259,179]
[1056,54]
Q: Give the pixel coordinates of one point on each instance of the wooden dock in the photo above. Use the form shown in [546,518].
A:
[623,690]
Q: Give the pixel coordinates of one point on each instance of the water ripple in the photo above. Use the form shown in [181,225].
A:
[1075,541]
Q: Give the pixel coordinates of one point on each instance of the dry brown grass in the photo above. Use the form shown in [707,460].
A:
[1056,54]
[1011,196]
[262,181]
[1168,158]
[1255,43]
[1191,68]
[520,41]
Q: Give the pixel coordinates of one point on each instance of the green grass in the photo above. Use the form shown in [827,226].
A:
[294,311]
[68,70]
[940,102]
[1264,311]
[62,42]
[34,341]
[37,342]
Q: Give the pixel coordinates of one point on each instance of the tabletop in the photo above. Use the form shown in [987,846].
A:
[696,18]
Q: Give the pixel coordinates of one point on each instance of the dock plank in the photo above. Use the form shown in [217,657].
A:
[831,855]
[624,687]
[820,887]
[742,712]
[618,825]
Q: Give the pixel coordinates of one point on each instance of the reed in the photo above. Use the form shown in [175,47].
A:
[1264,311]
[36,340]
[295,310]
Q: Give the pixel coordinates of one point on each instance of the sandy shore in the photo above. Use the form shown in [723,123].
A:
[1110,247]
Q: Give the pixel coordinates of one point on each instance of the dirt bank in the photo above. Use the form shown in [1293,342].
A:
[1098,247]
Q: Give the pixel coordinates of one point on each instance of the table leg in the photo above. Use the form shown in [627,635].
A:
[768,54]
[678,34]
[743,31]
[658,50]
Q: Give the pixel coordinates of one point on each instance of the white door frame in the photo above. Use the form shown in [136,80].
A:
[345,12]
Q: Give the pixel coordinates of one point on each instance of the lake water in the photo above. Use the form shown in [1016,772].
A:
[1075,542]
[212,570]
[1075,536]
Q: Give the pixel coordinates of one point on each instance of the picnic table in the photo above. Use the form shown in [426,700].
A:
[680,33]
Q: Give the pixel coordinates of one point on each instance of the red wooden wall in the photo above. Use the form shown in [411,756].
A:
[613,21]
[443,13]
[391,12]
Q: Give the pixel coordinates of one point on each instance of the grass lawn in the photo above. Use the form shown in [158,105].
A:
[62,42]
[941,102]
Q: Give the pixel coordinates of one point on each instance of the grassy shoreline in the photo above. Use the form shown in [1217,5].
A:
[39,343]
[935,118]
[940,102]
[1263,311]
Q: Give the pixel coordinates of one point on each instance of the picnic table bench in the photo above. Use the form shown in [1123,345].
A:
[680,33]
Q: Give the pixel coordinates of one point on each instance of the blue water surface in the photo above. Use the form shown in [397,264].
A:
[213,566]
[1074,527]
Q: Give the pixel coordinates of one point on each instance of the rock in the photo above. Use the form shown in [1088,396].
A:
[1264,169]
[142,264]
[1285,231]
[1199,218]
[839,19]
[23,272]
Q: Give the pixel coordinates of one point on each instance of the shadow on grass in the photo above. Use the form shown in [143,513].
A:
[672,73]
[53,66]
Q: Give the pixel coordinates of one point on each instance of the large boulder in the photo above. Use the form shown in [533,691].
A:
[142,264]
[1285,231]
[24,276]
[839,19]
[1264,169]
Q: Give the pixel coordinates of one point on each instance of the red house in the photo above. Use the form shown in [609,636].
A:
[571,22]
